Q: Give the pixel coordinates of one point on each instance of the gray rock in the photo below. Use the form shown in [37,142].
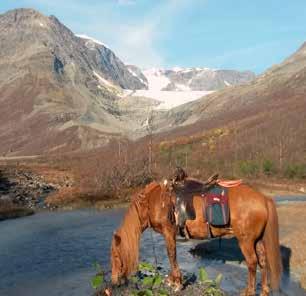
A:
[204,79]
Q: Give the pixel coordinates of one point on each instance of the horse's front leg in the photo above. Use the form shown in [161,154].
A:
[175,277]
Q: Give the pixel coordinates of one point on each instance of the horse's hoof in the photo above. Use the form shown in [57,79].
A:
[171,282]
[265,292]
[167,281]
[178,287]
[246,292]
[107,292]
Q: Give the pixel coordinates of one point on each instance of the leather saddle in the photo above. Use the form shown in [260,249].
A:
[184,190]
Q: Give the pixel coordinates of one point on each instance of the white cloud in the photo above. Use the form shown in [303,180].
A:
[138,43]
[134,39]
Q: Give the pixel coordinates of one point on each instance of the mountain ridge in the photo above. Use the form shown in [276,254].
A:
[60,92]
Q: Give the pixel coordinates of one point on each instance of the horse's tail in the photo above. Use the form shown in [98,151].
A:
[271,242]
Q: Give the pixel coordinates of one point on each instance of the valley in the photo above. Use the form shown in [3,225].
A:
[82,131]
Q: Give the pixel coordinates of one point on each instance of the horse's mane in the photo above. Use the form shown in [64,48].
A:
[131,228]
[143,193]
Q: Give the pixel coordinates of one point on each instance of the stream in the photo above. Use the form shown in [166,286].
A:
[53,253]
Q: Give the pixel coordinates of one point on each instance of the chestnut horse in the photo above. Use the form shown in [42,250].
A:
[152,207]
[253,221]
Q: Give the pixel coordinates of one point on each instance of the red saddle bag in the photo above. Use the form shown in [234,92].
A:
[217,209]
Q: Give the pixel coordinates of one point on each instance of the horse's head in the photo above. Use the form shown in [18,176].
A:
[118,270]
[125,242]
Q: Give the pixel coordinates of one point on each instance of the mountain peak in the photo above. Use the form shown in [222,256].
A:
[19,14]
[23,18]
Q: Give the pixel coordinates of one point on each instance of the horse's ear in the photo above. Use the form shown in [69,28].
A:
[117,239]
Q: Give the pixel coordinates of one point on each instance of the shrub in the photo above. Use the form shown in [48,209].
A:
[97,280]
[249,168]
[268,167]
[212,287]
[295,171]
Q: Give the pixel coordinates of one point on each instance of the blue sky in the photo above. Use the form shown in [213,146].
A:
[230,34]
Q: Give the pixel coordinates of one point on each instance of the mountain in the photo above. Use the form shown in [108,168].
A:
[64,92]
[280,87]
[137,72]
[177,86]
[57,90]
[263,119]
[196,79]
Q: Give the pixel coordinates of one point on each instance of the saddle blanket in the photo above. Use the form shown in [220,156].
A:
[229,183]
[216,209]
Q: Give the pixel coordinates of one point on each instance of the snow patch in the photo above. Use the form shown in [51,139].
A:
[83,36]
[187,70]
[156,79]
[103,80]
[132,72]
[135,75]
[182,87]
[227,83]
[177,69]
[41,24]
[169,99]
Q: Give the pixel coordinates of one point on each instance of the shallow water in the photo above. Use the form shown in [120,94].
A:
[290,199]
[52,253]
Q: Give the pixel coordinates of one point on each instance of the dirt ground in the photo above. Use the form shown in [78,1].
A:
[293,236]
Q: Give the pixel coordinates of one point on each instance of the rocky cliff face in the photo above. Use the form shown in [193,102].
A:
[137,72]
[197,79]
[57,90]
[114,70]
[26,33]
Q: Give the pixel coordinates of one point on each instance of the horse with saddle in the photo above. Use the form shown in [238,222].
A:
[201,210]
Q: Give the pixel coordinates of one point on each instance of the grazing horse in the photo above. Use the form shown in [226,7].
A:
[152,207]
[253,221]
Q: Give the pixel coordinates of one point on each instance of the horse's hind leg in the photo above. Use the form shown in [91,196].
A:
[248,250]
[262,260]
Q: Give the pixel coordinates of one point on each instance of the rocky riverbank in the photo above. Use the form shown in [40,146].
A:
[35,187]
[10,211]
[22,192]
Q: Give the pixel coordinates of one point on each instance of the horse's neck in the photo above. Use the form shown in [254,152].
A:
[137,217]
[132,221]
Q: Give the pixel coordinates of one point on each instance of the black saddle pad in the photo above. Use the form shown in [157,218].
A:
[184,199]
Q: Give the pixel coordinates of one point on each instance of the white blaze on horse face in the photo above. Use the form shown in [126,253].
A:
[165,182]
